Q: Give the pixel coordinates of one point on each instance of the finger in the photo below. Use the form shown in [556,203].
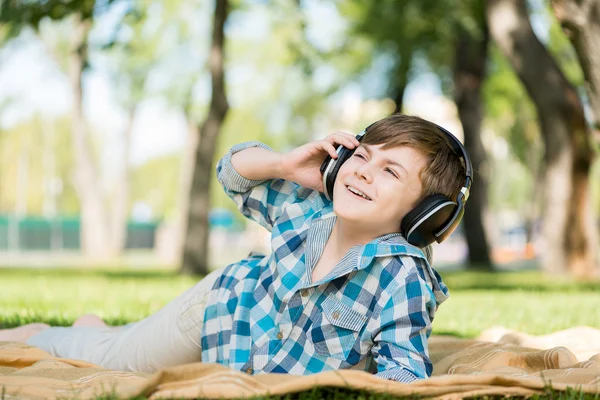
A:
[350,136]
[329,148]
[345,139]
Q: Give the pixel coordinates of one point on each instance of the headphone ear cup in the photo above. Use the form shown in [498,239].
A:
[420,225]
[343,155]
[330,167]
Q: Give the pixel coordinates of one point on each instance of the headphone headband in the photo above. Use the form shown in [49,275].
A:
[445,231]
[460,150]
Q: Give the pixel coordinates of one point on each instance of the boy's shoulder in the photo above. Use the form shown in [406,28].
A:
[395,244]
[415,264]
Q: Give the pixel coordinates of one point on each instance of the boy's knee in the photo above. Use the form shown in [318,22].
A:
[89,320]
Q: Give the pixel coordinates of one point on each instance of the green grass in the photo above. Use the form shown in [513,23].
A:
[527,301]
[59,296]
[324,393]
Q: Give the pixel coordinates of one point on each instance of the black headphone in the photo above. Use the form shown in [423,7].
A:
[435,217]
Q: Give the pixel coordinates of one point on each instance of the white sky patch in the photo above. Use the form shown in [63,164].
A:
[159,130]
[30,83]
[325,26]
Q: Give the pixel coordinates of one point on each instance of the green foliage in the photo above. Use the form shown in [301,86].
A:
[511,118]
[595,186]
[413,32]
[25,153]
[272,83]
[512,185]
[509,110]
[131,55]
[560,47]
[19,13]
[156,183]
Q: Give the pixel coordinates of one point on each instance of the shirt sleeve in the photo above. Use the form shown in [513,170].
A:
[400,345]
[262,201]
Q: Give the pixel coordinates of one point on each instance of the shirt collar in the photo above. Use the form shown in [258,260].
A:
[391,244]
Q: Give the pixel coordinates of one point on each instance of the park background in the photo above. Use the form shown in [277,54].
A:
[114,113]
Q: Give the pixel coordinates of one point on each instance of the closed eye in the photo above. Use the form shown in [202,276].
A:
[391,172]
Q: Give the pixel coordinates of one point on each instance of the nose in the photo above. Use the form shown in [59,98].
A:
[364,172]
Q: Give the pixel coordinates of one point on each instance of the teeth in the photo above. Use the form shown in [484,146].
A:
[358,192]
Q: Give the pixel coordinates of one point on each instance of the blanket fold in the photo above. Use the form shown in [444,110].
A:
[462,368]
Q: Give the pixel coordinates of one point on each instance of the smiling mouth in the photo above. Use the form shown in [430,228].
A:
[358,193]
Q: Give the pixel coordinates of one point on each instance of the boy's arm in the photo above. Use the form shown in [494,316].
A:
[251,177]
[400,348]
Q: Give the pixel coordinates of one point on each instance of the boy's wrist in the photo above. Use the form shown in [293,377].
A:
[279,168]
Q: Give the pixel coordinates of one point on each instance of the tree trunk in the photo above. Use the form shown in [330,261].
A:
[469,73]
[94,224]
[120,211]
[195,252]
[400,78]
[185,185]
[569,231]
[581,22]
[532,210]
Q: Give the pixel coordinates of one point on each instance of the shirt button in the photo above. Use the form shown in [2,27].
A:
[335,314]
[304,292]
[249,371]
[279,335]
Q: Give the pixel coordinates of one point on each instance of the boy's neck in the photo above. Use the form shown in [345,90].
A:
[344,235]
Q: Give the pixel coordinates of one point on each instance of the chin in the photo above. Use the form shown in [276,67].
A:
[352,213]
[346,212]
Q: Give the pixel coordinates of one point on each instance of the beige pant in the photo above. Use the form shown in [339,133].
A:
[169,337]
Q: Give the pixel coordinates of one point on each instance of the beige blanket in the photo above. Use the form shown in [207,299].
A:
[462,367]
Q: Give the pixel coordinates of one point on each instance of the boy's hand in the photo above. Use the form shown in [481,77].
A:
[302,164]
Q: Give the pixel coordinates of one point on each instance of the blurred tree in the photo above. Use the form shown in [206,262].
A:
[511,115]
[195,252]
[43,145]
[427,30]
[569,231]
[183,47]
[403,31]
[469,74]
[152,183]
[131,57]
[17,15]
[94,217]
[581,22]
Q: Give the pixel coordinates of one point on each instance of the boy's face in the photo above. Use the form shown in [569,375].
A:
[390,180]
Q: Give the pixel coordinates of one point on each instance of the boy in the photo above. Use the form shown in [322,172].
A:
[341,289]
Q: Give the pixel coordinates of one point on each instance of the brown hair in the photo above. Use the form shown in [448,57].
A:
[444,170]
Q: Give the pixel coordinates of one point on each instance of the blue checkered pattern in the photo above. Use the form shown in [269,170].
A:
[372,312]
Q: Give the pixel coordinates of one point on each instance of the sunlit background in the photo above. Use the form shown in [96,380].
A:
[295,71]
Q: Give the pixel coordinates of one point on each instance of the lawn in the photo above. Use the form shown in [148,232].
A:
[527,301]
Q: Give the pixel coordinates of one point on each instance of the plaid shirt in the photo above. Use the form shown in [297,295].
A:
[372,312]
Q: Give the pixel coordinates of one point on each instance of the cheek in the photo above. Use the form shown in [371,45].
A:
[398,201]
[346,167]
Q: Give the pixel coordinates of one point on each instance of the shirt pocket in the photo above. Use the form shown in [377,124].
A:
[336,328]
